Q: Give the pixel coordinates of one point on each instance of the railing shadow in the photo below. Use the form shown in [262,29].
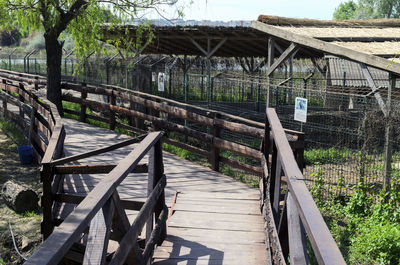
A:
[189,251]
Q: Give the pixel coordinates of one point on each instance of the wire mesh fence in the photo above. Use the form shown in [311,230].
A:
[345,132]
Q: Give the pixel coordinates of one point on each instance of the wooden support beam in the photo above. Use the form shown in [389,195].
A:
[375,90]
[286,54]
[325,47]
[271,57]
[210,52]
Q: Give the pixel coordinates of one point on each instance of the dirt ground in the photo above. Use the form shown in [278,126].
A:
[26,227]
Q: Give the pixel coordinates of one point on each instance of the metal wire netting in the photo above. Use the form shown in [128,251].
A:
[345,128]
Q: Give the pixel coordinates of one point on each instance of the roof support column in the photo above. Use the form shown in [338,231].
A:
[273,65]
[270,61]
[386,109]
[387,166]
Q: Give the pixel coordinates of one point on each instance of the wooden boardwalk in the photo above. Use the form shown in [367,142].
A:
[215,221]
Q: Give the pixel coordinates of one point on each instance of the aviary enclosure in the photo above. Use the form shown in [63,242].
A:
[345,128]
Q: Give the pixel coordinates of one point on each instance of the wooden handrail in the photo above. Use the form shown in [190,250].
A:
[105,196]
[299,199]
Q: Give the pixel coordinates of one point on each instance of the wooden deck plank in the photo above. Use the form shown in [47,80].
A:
[216,220]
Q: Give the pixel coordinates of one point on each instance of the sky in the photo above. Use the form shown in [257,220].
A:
[226,10]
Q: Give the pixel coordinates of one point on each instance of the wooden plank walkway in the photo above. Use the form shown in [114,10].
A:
[216,219]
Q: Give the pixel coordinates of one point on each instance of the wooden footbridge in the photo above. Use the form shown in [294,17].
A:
[113,199]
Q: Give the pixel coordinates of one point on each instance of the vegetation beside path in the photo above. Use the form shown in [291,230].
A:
[26,227]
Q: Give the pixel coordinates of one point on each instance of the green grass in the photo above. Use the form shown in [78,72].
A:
[12,131]
[327,156]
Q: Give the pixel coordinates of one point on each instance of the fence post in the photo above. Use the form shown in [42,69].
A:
[214,150]
[158,174]
[112,113]
[83,106]
[5,100]
[47,176]
[299,152]
[21,99]
[37,82]
[150,187]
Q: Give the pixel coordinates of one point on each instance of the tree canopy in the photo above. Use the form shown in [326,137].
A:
[82,19]
[367,9]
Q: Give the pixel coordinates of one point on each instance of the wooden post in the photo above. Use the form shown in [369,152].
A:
[277,188]
[112,113]
[296,232]
[150,187]
[21,99]
[270,61]
[299,153]
[83,107]
[202,80]
[342,107]
[273,173]
[258,107]
[208,82]
[32,127]
[387,166]
[290,92]
[5,100]
[214,150]
[37,82]
[47,176]
[158,174]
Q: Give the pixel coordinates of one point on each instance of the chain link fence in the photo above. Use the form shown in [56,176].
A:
[345,132]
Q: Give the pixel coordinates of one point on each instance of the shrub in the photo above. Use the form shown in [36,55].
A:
[9,37]
[376,243]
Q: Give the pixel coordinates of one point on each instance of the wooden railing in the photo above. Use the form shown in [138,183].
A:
[46,132]
[291,213]
[37,115]
[208,134]
[101,214]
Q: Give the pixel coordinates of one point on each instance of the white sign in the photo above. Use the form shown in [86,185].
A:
[300,110]
[161,79]
[153,76]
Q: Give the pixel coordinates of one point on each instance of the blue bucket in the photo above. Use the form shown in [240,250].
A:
[25,153]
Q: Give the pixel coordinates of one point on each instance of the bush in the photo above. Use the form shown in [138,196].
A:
[9,37]
[376,243]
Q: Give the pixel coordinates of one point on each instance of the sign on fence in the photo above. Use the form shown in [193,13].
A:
[300,109]
[161,79]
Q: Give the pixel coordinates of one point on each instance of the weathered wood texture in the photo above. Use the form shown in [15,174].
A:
[214,215]
[173,110]
[299,213]
[97,209]
[19,198]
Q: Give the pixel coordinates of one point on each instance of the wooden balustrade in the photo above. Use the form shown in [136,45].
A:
[291,214]
[101,214]
[214,120]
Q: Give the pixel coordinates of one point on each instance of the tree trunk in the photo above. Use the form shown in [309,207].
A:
[54,56]
[19,198]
